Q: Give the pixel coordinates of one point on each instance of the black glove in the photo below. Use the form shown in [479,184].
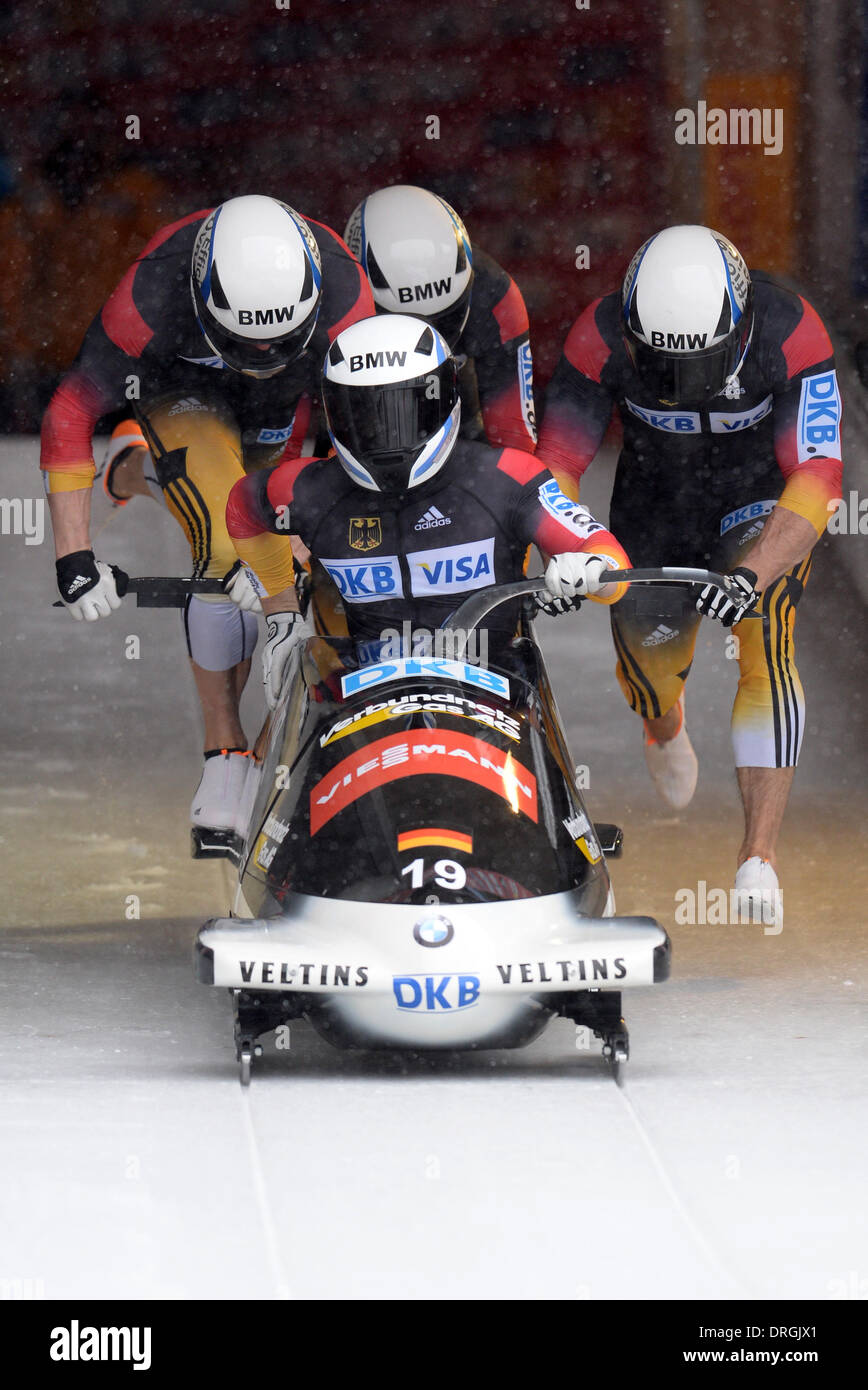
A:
[555,607]
[89,588]
[729,606]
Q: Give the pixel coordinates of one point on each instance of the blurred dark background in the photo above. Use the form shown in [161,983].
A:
[556,130]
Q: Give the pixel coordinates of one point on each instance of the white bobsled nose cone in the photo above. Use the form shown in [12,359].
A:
[759,894]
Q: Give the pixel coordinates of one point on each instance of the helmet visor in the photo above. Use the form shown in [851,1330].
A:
[689,378]
[248,355]
[385,426]
[451,322]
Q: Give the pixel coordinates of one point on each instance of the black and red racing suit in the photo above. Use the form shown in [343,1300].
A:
[413,556]
[495,368]
[695,486]
[146,342]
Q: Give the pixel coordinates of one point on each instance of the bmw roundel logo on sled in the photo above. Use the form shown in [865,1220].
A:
[433,931]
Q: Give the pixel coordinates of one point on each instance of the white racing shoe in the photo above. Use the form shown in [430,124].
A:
[215,807]
[673,766]
[759,896]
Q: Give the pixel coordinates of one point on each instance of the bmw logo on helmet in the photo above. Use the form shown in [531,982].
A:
[433,931]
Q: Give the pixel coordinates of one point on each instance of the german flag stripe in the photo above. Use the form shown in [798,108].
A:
[450,839]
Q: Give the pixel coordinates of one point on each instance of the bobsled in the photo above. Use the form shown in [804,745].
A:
[420,870]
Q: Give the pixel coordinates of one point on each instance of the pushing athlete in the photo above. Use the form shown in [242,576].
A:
[393,411]
[220,328]
[418,258]
[725,383]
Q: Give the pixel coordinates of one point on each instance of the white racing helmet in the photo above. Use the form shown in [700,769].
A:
[256,282]
[390,391]
[416,254]
[687,302]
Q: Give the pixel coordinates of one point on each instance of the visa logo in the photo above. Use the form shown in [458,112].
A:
[452,568]
[730,421]
[432,994]
[367,582]
[819,418]
[671,421]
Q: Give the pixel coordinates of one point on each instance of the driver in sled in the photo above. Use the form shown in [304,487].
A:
[406,517]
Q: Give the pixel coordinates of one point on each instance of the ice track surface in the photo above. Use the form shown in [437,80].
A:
[730,1163]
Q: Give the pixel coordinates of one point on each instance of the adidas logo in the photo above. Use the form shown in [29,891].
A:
[432,517]
[751,532]
[661,634]
[187,404]
[77,583]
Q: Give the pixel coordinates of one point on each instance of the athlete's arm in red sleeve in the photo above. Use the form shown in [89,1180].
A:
[546,517]
[305,411]
[93,386]
[504,375]
[578,406]
[107,367]
[807,420]
[260,517]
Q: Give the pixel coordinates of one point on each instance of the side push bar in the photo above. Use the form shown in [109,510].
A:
[472,611]
[163,591]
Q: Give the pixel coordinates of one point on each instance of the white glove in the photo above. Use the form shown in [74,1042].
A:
[243,587]
[576,575]
[89,588]
[285,632]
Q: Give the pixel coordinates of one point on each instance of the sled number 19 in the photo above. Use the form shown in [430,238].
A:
[447,874]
